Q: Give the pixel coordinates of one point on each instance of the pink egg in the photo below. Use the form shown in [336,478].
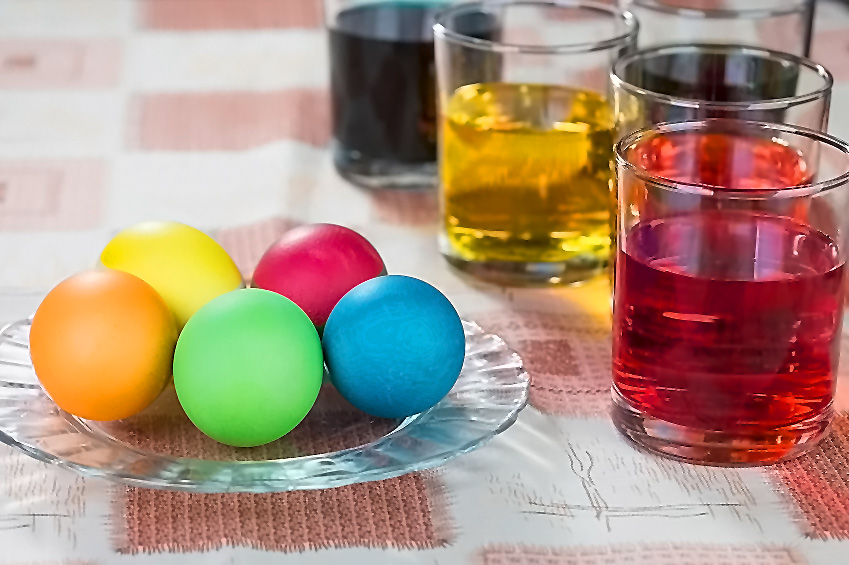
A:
[315,265]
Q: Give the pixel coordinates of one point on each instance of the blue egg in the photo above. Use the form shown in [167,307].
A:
[394,346]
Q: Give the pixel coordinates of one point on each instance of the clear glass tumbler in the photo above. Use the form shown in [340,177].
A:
[526,134]
[691,82]
[783,25]
[383,90]
[730,281]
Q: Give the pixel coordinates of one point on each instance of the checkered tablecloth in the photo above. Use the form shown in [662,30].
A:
[215,113]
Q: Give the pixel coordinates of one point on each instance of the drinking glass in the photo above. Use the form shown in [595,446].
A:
[383,89]
[526,137]
[729,292]
[677,83]
[783,25]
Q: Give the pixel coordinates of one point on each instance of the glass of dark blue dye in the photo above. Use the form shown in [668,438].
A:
[383,89]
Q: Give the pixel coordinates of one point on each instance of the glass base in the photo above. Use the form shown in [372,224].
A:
[377,174]
[524,273]
[708,447]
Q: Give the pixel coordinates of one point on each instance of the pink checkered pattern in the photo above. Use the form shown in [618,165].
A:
[51,194]
[818,482]
[59,64]
[230,121]
[671,554]
[195,15]
[567,357]
[395,513]
[110,106]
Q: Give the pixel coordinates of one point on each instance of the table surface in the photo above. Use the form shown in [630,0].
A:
[215,113]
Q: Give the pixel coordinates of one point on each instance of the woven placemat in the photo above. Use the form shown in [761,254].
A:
[405,512]
[818,482]
[567,356]
[655,554]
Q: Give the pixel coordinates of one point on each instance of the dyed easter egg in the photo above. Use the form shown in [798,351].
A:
[394,346]
[185,266]
[248,367]
[316,265]
[101,344]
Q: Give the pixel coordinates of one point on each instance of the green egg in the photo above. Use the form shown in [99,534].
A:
[248,367]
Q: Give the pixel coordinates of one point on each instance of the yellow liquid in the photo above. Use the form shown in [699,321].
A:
[526,174]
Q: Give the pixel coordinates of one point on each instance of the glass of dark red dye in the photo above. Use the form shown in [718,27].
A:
[676,83]
[383,89]
[729,288]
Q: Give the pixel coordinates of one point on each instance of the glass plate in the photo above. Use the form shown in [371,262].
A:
[335,445]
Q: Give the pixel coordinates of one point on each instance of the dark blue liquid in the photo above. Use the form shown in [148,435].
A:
[383,82]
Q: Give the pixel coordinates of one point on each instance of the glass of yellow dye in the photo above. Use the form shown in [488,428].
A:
[526,135]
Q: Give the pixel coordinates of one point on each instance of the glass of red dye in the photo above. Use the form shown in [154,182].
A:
[729,288]
[676,83]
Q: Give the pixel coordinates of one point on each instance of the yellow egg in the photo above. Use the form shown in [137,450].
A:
[184,265]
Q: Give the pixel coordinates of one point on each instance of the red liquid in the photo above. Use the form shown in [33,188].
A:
[721,160]
[727,320]
[706,338]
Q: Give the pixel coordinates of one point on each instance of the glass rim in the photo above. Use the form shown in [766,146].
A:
[727,13]
[769,104]
[733,125]
[442,31]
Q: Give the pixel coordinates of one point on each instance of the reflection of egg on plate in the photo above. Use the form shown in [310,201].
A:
[184,265]
[101,344]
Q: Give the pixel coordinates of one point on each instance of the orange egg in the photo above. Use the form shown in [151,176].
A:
[102,344]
